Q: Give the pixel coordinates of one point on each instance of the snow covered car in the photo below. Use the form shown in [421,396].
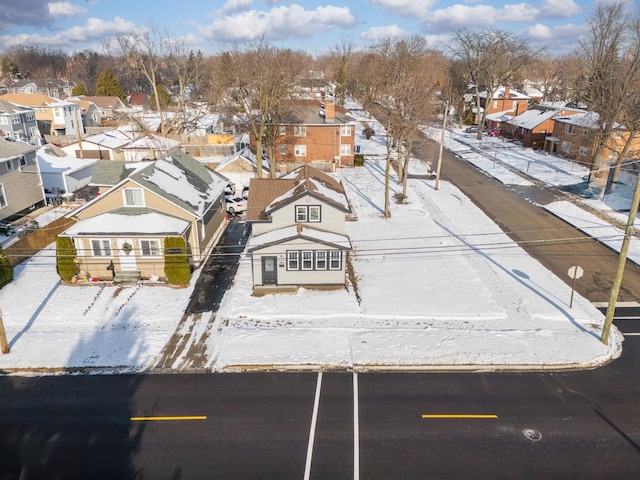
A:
[235,204]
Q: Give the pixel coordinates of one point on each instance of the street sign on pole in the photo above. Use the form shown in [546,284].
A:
[575,273]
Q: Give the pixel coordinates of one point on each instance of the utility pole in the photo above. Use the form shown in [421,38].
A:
[622,260]
[3,336]
[444,129]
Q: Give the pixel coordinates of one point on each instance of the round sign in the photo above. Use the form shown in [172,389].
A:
[576,272]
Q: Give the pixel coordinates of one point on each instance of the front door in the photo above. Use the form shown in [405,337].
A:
[269,272]
[126,254]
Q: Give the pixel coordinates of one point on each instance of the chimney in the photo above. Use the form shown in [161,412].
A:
[329,111]
[507,91]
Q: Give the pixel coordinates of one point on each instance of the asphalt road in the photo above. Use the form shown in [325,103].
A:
[582,425]
[553,242]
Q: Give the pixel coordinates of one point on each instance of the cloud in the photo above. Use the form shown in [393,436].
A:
[233,6]
[24,12]
[404,8]
[94,30]
[458,16]
[559,8]
[66,9]
[521,12]
[277,24]
[376,34]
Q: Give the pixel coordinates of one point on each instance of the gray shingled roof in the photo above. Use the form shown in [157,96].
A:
[10,149]
[109,173]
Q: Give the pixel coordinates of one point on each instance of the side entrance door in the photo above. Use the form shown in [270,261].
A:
[269,271]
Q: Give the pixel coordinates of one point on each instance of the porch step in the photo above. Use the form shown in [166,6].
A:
[127,276]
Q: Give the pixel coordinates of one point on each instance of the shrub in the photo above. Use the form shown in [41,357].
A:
[358,159]
[176,261]
[66,258]
[6,269]
[368,132]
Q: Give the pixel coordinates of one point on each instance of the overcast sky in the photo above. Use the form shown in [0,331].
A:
[310,25]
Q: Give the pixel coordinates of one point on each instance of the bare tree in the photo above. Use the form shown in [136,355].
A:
[342,54]
[492,58]
[162,60]
[612,52]
[256,82]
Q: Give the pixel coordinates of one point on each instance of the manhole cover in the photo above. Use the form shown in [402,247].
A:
[531,434]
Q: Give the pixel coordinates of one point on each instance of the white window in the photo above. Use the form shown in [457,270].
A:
[293,260]
[307,260]
[23,161]
[300,151]
[314,213]
[31,116]
[282,129]
[566,147]
[345,130]
[568,128]
[3,198]
[15,119]
[150,248]
[321,260]
[495,104]
[133,197]
[583,151]
[283,149]
[4,119]
[101,248]
[514,104]
[345,149]
[335,260]
[10,165]
[307,213]
[299,131]
[301,213]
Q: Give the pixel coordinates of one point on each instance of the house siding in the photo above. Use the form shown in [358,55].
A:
[332,219]
[21,186]
[297,277]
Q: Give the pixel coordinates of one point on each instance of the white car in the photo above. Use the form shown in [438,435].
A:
[235,204]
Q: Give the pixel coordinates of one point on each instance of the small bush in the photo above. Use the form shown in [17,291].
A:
[66,258]
[6,270]
[368,132]
[358,159]
[176,261]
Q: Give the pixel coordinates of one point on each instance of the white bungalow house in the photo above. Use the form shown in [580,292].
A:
[150,147]
[298,235]
[63,174]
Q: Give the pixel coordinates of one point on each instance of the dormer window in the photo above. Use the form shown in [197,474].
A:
[133,197]
[307,213]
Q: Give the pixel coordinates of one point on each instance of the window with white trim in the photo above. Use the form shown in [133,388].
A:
[321,260]
[345,149]
[3,197]
[307,213]
[568,128]
[495,104]
[299,131]
[566,147]
[283,149]
[133,197]
[282,129]
[335,260]
[23,161]
[583,151]
[4,120]
[15,119]
[307,260]
[300,151]
[10,165]
[293,260]
[150,248]
[345,130]
[101,248]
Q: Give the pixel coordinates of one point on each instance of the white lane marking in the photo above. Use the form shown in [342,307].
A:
[312,434]
[631,334]
[356,430]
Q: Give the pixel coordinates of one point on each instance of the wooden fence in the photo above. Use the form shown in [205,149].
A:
[35,241]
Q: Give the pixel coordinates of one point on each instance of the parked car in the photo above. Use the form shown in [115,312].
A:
[471,129]
[235,204]
[245,191]
[494,133]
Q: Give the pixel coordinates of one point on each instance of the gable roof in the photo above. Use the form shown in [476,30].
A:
[298,232]
[9,108]
[108,102]
[109,173]
[10,149]
[531,118]
[29,99]
[183,181]
[134,221]
[308,112]
[270,194]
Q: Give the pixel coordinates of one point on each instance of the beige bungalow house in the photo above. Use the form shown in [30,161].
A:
[125,226]
[298,231]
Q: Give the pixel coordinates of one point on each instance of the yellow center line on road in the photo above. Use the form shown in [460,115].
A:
[490,416]
[176,418]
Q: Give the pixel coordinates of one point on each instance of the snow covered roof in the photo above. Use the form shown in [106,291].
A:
[52,159]
[585,119]
[183,181]
[130,221]
[153,142]
[111,139]
[269,194]
[500,116]
[531,118]
[505,92]
[298,232]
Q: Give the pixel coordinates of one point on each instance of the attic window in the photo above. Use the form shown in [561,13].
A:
[133,197]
